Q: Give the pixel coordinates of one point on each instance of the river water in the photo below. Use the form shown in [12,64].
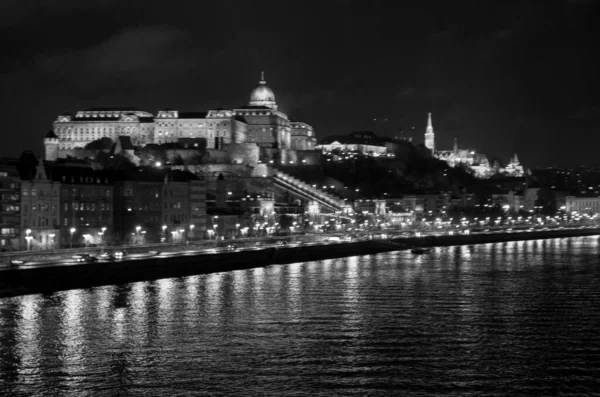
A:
[505,319]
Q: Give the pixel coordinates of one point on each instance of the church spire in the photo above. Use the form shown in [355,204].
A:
[455,144]
[429,135]
[262,77]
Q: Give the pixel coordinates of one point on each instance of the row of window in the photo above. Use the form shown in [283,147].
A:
[40,221]
[9,208]
[144,207]
[39,207]
[142,193]
[175,206]
[92,130]
[176,219]
[77,206]
[39,193]
[87,221]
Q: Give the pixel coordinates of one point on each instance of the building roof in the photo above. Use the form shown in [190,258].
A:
[79,175]
[112,109]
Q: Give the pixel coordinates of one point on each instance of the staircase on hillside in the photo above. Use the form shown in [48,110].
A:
[326,200]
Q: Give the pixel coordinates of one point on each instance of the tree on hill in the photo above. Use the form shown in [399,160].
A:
[115,162]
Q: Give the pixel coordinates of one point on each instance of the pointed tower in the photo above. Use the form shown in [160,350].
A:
[515,160]
[455,146]
[40,171]
[429,135]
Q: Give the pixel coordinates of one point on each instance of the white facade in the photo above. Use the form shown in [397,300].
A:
[353,147]
[582,205]
[260,122]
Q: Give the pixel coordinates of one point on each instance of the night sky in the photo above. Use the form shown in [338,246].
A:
[501,79]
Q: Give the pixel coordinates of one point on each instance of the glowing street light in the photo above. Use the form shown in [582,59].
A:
[72,230]
[28,238]
[101,234]
[52,235]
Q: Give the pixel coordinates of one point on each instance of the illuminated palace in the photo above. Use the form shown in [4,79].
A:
[475,161]
[259,122]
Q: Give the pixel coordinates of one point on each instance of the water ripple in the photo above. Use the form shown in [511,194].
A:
[506,319]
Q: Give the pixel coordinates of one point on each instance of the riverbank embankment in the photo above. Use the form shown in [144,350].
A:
[46,279]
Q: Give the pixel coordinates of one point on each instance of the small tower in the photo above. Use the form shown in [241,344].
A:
[40,171]
[429,135]
[51,146]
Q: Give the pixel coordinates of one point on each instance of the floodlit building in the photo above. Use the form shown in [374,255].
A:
[259,122]
[363,142]
[582,205]
[470,158]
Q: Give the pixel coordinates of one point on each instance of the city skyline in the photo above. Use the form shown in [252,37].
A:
[500,79]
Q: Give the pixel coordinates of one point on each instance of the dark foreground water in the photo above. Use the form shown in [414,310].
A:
[506,319]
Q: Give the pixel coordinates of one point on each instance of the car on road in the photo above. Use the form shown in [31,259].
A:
[108,257]
[86,258]
[15,262]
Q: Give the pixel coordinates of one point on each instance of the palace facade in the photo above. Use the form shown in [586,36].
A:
[259,122]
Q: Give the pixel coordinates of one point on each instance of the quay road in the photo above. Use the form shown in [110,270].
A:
[154,251]
[67,257]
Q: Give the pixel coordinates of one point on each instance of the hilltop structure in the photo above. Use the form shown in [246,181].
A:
[260,123]
[477,162]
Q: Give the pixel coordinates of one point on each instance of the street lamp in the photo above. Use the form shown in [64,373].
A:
[237,233]
[52,235]
[28,238]
[137,233]
[192,232]
[164,233]
[72,230]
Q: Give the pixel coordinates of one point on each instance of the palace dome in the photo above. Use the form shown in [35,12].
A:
[262,95]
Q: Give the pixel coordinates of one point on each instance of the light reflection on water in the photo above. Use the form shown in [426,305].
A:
[514,318]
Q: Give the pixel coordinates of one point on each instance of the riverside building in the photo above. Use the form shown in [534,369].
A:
[41,210]
[10,206]
[260,122]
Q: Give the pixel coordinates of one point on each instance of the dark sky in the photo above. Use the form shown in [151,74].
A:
[505,78]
